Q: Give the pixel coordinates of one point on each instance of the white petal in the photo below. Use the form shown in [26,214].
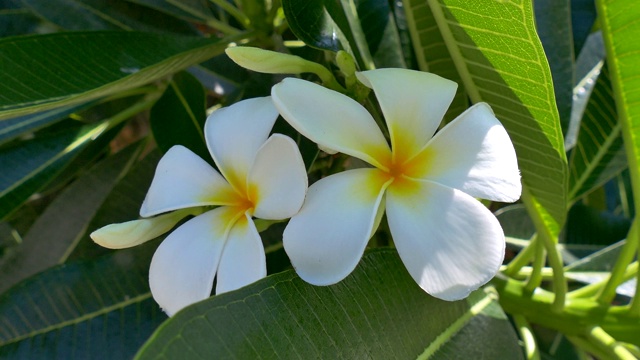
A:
[330,119]
[235,133]
[413,104]
[450,243]
[474,154]
[136,232]
[278,179]
[183,180]
[243,260]
[184,265]
[326,239]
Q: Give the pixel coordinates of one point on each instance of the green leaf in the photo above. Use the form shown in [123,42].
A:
[17,20]
[9,129]
[190,10]
[583,16]
[501,62]
[122,204]
[376,312]
[177,118]
[553,22]
[87,310]
[329,25]
[56,232]
[47,71]
[432,53]
[31,165]
[83,15]
[381,33]
[620,27]
[599,152]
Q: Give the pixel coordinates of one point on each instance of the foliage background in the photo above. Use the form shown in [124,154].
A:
[92,92]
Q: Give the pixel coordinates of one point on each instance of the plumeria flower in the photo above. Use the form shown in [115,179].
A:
[449,242]
[264,177]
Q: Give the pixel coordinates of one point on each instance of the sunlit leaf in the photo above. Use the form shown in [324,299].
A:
[377,312]
[501,61]
[56,232]
[620,27]
[432,53]
[47,71]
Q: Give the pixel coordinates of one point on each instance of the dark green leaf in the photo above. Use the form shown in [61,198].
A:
[28,166]
[377,312]
[583,16]
[599,152]
[16,20]
[12,128]
[82,15]
[586,225]
[381,33]
[177,118]
[191,10]
[48,71]
[553,22]
[92,310]
[122,204]
[56,232]
[329,25]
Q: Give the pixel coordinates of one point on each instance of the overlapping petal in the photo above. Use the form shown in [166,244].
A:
[183,180]
[330,119]
[235,133]
[184,265]
[450,243]
[326,239]
[474,154]
[413,104]
[278,179]
[243,260]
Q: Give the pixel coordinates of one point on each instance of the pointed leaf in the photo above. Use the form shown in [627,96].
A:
[84,70]
[377,312]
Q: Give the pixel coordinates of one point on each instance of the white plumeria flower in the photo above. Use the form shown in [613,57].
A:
[264,177]
[450,243]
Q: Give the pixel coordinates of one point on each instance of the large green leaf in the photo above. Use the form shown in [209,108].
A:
[621,28]
[46,71]
[177,118]
[377,312]
[599,152]
[57,231]
[432,53]
[501,61]
[90,310]
[553,22]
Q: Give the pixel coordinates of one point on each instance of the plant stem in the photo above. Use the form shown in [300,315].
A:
[608,345]
[592,289]
[608,292]
[549,241]
[233,11]
[535,278]
[523,258]
[526,333]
